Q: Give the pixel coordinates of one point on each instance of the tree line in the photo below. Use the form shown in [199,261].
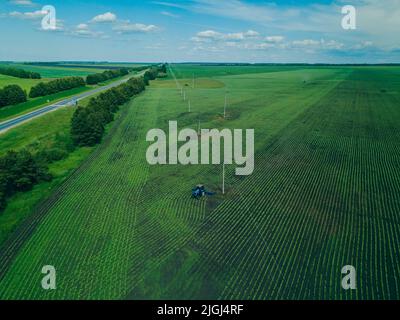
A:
[154,72]
[12,94]
[87,124]
[19,73]
[106,75]
[46,88]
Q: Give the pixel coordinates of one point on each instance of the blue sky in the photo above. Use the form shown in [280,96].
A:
[201,30]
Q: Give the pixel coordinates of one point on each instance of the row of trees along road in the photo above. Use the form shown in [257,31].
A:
[19,73]
[106,75]
[87,124]
[46,88]
[14,94]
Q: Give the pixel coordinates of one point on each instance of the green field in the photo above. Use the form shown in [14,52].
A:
[25,84]
[42,133]
[325,193]
[55,71]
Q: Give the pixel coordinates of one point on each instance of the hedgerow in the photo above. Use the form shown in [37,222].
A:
[20,73]
[87,124]
[58,85]
[106,75]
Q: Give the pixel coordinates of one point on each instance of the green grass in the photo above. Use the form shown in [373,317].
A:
[37,132]
[25,84]
[57,72]
[325,193]
[21,205]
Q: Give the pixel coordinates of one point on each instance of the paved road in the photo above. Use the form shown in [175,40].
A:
[6,125]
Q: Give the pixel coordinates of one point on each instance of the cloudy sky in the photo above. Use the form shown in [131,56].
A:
[201,30]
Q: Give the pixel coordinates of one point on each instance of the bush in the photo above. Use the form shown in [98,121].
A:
[19,171]
[12,94]
[2,201]
[51,155]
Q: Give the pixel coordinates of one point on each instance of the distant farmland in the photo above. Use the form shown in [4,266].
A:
[56,71]
[25,84]
[325,193]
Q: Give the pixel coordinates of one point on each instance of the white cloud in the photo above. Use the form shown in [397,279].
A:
[363,45]
[128,27]
[332,44]
[241,35]
[23,3]
[169,14]
[169,4]
[377,21]
[211,35]
[274,39]
[264,46]
[212,49]
[82,26]
[28,15]
[305,43]
[36,16]
[321,44]
[104,18]
[251,33]
[82,30]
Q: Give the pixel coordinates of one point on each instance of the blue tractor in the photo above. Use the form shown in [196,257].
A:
[200,191]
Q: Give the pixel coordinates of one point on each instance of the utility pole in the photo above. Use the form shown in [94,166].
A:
[184,95]
[189,105]
[199,128]
[223,178]
[225,105]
